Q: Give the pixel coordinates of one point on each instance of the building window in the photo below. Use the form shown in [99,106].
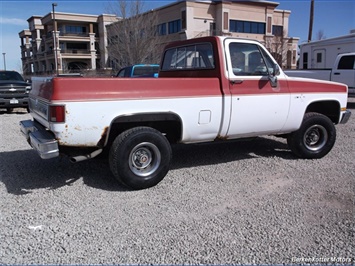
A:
[319,57]
[174,26]
[277,30]
[246,26]
[162,29]
[183,19]
[75,29]
[269,24]
[305,60]
[75,48]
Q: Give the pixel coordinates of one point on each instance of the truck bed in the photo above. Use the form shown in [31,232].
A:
[322,74]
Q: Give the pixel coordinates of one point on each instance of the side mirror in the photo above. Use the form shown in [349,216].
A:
[273,76]
[276,71]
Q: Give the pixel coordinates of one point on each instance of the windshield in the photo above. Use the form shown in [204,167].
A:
[145,70]
[10,75]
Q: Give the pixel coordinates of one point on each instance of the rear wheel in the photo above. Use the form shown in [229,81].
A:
[140,157]
[314,139]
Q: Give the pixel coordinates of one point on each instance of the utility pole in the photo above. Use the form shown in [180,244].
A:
[311,15]
[55,40]
[3,54]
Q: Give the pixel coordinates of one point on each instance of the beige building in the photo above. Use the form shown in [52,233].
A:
[81,40]
[258,20]
[71,41]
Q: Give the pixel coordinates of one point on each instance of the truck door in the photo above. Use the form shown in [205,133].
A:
[258,106]
[344,71]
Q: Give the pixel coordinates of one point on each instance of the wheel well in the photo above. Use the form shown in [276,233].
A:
[167,123]
[330,109]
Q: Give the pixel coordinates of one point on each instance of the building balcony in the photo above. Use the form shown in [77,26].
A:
[74,34]
[75,51]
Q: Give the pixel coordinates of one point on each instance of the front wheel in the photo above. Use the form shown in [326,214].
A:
[140,157]
[314,139]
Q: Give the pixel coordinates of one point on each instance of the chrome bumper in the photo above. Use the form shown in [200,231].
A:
[345,117]
[40,139]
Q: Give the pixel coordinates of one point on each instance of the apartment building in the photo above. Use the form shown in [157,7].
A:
[72,42]
[76,41]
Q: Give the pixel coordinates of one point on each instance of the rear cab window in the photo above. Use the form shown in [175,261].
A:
[191,57]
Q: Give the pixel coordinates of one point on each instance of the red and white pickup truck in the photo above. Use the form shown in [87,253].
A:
[210,88]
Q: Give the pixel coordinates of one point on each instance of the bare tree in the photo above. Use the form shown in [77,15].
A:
[320,35]
[278,46]
[133,39]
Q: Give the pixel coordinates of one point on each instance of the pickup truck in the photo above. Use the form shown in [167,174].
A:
[343,71]
[208,89]
[14,90]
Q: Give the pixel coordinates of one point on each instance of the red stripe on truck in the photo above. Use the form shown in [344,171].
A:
[132,88]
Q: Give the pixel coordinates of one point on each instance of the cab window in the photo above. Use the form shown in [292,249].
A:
[347,62]
[248,60]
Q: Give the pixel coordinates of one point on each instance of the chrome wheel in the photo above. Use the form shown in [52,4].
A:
[144,159]
[315,137]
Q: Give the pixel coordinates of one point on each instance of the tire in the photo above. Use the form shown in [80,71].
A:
[9,110]
[314,139]
[140,157]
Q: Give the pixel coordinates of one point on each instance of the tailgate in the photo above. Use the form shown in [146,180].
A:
[40,97]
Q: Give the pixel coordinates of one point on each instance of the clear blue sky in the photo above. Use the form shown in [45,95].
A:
[334,18]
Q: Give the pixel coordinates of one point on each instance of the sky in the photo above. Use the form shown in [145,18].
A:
[332,17]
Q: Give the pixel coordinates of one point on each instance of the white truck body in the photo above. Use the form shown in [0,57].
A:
[343,71]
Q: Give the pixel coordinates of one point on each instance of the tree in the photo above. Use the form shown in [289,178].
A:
[133,39]
[278,46]
[320,35]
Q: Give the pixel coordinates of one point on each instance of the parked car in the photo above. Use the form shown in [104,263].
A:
[135,71]
[14,90]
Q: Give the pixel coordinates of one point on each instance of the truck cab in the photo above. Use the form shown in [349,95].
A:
[344,71]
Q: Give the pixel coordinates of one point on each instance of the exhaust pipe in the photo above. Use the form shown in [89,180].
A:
[80,158]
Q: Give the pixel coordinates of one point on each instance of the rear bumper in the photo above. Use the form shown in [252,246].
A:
[346,116]
[40,139]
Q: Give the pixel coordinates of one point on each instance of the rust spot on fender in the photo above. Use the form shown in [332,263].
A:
[102,140]
[221,137]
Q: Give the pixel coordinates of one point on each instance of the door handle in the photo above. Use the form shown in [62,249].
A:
[337,73]
[238,81]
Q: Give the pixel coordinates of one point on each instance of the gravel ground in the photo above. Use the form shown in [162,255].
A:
[224,203]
